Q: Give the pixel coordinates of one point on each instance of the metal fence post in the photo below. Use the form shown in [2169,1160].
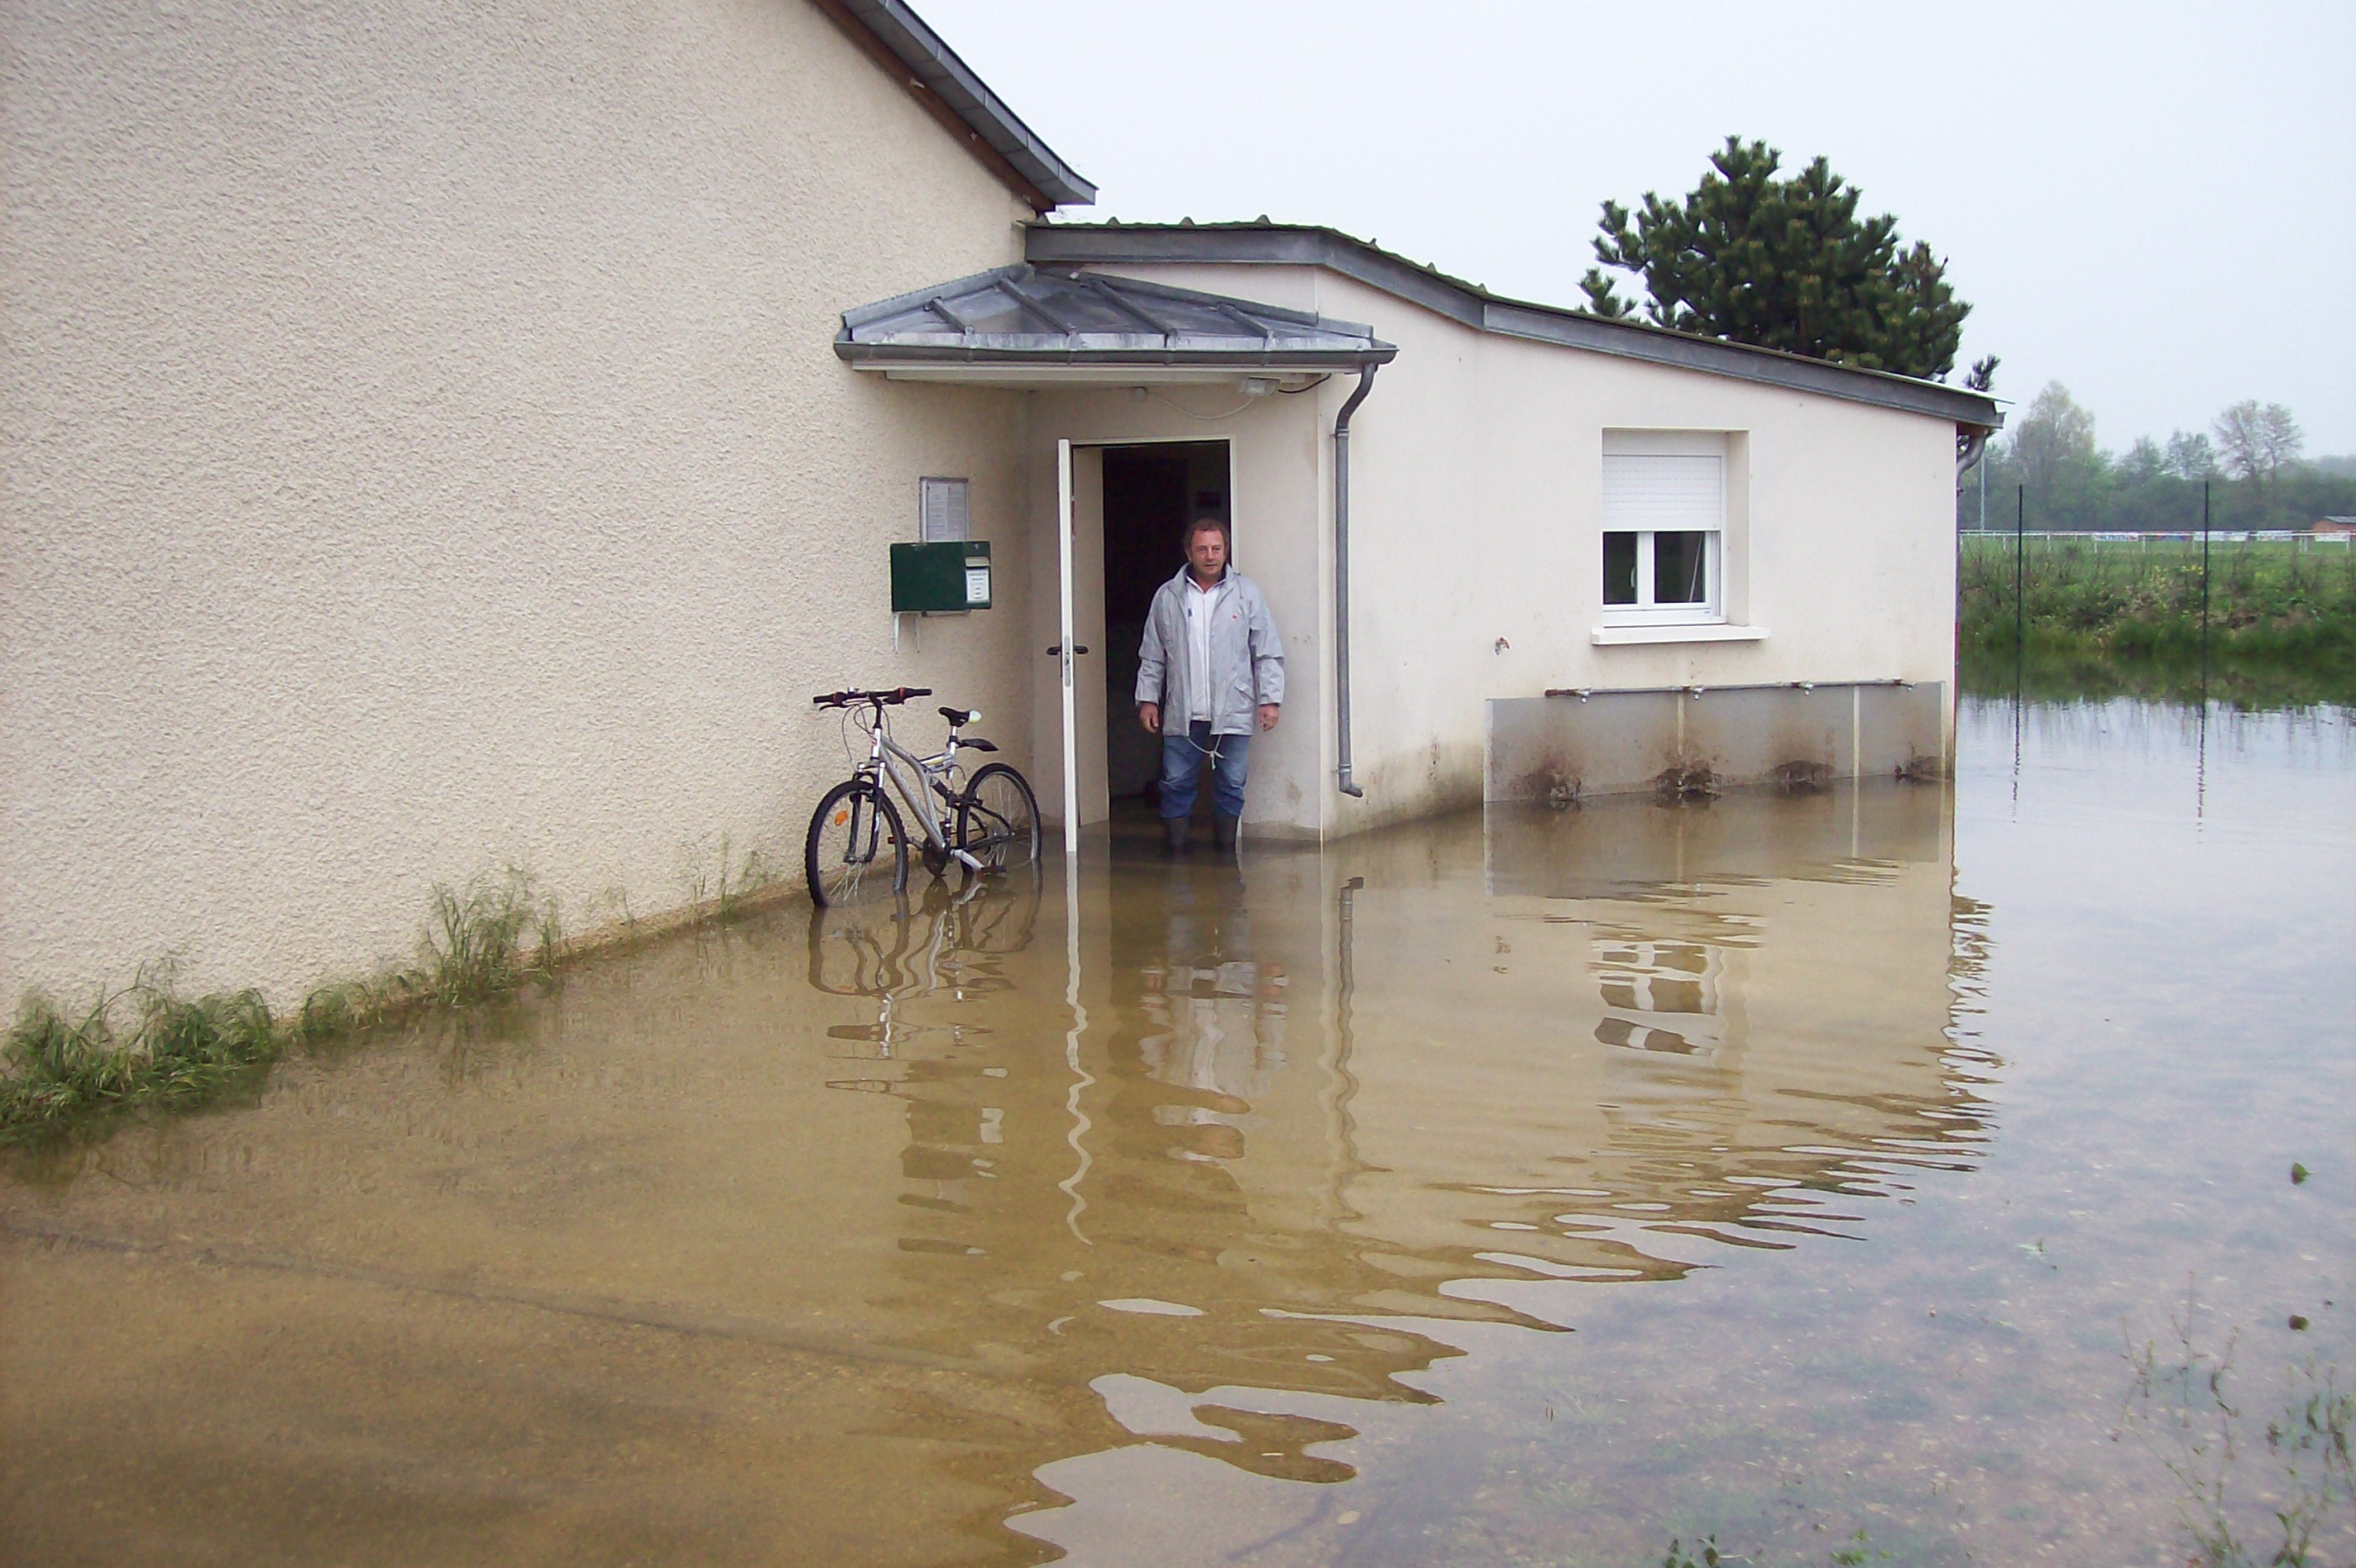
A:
[2019,545]
[2205,579]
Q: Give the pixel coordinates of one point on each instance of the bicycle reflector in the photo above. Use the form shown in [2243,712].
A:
[841,815]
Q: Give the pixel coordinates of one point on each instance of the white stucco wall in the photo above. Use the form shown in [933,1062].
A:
[1476,514]
[421,451]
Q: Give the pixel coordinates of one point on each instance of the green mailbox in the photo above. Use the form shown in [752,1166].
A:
[937,578]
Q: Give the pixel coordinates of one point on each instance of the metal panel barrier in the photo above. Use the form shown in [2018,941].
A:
[1684,739]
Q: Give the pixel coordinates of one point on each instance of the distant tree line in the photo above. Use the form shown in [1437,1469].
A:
[2252,457]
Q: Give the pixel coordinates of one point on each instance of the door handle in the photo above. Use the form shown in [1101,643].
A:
[1077,648]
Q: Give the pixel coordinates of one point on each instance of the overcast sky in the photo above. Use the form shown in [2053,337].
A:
[2154,205]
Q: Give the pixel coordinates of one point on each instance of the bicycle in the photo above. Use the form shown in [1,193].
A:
[857,848]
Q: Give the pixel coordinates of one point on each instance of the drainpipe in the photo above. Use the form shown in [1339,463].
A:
[1342,579]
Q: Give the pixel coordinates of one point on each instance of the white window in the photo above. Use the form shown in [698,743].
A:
[944,510]
[1664,528]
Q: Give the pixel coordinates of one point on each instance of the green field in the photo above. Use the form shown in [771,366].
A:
[2288,602]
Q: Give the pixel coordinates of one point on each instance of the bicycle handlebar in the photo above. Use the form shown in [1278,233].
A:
[880,698]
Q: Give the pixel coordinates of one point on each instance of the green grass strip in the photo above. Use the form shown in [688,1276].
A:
[147,1045]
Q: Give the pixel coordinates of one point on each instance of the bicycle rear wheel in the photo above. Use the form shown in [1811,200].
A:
[998,819]
[856,852]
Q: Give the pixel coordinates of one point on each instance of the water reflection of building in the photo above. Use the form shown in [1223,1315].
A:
[1326,1089]
[1659,1025]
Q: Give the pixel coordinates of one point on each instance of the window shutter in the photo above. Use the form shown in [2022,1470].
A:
[944,510]
[1663,492]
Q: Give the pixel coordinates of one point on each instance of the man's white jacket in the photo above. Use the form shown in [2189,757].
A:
[1246,655]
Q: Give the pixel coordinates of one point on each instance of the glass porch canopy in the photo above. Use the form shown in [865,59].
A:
[1023,325]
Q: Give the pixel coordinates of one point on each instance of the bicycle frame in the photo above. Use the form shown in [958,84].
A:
[885,757]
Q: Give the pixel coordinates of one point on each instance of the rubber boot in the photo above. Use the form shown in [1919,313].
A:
[1175,826]
[1223,835]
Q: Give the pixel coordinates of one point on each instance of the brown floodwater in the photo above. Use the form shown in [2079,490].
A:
[1527,1187]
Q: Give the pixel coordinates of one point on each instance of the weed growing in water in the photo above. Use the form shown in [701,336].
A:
[147,1045]
[1706,1554]
[740,879]
[2184,1410]
[474,944]
[142,1045]
[1859,1551]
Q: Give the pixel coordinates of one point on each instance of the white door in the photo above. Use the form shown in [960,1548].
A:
[1067,655]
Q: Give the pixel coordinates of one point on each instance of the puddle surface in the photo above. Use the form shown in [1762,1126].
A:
[1527,1190]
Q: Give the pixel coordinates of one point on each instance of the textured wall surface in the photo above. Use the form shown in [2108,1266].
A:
[422,453]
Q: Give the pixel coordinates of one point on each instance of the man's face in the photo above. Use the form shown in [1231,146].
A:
[1207,552]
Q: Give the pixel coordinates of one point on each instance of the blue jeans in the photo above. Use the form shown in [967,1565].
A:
[1183,757]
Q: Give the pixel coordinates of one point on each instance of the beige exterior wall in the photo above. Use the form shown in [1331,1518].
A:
[1476,481]
[424,453]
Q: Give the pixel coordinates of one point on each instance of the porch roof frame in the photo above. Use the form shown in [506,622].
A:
[1161,328]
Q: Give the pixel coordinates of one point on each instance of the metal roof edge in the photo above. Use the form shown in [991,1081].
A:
[1260,359]
[859,315]
[937,67]
[1472,305]
[847,346]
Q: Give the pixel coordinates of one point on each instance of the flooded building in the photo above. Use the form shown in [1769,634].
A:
[437,444]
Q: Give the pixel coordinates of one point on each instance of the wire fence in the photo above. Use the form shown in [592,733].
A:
[2302,539]
[2269,593]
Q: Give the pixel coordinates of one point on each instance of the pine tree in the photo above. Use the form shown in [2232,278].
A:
[1784,263]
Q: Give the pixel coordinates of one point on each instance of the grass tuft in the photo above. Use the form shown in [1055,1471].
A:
[474,943]
[147,1045]
[143,1045]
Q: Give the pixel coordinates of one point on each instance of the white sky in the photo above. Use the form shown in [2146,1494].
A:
[2155,204]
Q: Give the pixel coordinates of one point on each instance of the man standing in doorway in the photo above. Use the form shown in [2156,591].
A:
[1210,669]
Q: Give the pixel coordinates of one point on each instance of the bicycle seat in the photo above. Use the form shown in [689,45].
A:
[961,715]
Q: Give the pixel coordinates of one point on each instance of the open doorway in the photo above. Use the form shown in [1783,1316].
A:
[1150,493]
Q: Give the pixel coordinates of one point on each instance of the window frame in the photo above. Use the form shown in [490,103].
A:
[1647,611]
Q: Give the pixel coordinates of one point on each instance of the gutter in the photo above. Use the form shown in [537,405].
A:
[1341,580]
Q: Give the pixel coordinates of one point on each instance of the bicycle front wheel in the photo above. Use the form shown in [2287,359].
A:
[856,852]
[998,819]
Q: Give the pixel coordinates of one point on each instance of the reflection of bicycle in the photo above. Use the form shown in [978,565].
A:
[894,954]
[858,851]
[901,950]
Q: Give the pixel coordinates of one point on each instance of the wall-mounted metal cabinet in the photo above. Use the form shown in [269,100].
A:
[938,579]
